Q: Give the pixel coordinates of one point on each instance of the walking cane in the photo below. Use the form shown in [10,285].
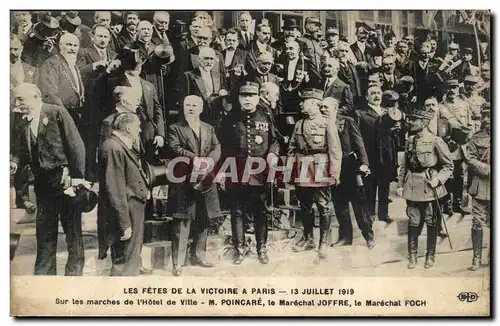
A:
[440,210]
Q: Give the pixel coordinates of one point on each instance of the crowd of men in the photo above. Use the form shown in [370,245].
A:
[95,108]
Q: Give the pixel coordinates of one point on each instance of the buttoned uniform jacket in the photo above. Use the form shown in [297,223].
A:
[479,160]
[123,191]
[350,141]
[248,135]
[475,102]
[58,142]
[182,142]
[59,86]
[435,159]
[462,113]
[312,49]
[319,141]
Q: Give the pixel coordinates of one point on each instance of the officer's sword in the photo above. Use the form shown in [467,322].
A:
[427,173]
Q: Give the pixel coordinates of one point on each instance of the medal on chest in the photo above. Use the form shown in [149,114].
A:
[258,139]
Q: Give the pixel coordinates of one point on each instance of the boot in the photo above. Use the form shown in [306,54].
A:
[477,249]
[431,246]
[447,208]
[457,206]
[262,255]
[322,243]
[412,246]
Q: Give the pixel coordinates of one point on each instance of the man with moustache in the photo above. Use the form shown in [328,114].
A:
[143,42]
[354,163]
[248,134]
[476,101]
[245,35]
[191,39]
[234,62]
[403,63]
[46,138]
[259,45]
[161,33]
[315,143]
[208,84]
[362,51]
[124,192]
[23,26]
[369,121]
[290,31]
[348,73]
[61,82]
[466,68]
[332,39]
[334,87]
[41,44]
[263,72]
[103,18]
[192,138]
[191,61]
[311,46]
[128,34]
[427,76]
[389,76]
[479,160]
[269,103]
[20,72]
[427,165]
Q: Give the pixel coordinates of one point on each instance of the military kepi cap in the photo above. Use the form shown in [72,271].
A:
[249,88]
[471,79]
[332,31]
[486,109]
[313,20]
[468,50]
[311,93]
[421,113]
[452,82]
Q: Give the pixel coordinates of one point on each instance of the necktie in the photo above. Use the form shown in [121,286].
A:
[247,38]
[327,84]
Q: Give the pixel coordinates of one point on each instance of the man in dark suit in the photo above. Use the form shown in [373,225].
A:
[149,111]
[389,78]
[124,191]
[192,138]
[128,34]
[354,162]
[20,72]
[46,139]
[144,40]
[403,63]
[348,73]
[245,36]
[263,72]
[334,87]
[41,44]
[428,78]
[311,47]
[369,120]
[234,62]
[23,26]
[61,82]
[259,45]
[207,84]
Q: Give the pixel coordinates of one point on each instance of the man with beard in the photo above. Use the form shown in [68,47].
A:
[427,165]
[46,138]
[461,110]
[190,60]
[311,47]
[334,87]
[256,47]
[143,42]
[161,34]
[370,125]
[479,160]
[403,63]
[466,68]
[93,62]
[206,83]
[128,34]
[192,139]
[124,192]
[23,26]
[348,73]
[315,143]
[262,74]
[61,83]
[290,29]
[248,134]
[245,36]
[354,164]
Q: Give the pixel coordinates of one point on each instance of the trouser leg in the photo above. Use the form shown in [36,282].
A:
[49,208]
[260,217]
[180,237]
[71,221]
[237,225]
[363,220]
[371,193]
[428,212]
[383,198]
[413,211]
[341,202]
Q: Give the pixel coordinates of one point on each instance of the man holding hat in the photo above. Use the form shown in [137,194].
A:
[311,46]
[479,160]
[466,68]
[427,165]
[315,144]
[41,44]
[456,138]
[249,134]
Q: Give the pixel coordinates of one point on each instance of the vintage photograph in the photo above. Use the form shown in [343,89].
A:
[241,144]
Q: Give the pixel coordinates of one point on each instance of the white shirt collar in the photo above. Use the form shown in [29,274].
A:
[361,46]
[377,109]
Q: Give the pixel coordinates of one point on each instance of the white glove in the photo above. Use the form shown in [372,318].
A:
[127,234]
[399,191]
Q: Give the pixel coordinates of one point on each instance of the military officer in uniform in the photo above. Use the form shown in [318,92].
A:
[426,167]
[249,134]
[479,160]
[315,143]
[354,163]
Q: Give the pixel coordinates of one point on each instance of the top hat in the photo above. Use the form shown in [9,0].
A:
[85,200]
[290,23]
[130,58]
[48,27]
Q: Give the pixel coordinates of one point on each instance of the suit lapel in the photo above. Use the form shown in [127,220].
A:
[42,128]
[215,80]
[201,85]
[188,133]
[94,55]
[132,157]
[147,98]
[203,137]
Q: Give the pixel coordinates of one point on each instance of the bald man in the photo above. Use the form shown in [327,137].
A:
[192,138]
[61,82]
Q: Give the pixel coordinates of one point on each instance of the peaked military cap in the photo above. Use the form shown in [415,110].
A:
[311,93]
[332,31]
[249,88]
[421,113]
[471,79]
[313,20]
[452,82]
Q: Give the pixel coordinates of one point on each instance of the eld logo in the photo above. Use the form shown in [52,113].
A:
[468,296]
